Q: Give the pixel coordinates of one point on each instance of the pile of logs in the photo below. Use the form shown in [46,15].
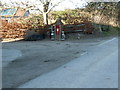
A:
[12,30]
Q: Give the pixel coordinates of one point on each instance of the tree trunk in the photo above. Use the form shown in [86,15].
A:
[100,28]
[45,17]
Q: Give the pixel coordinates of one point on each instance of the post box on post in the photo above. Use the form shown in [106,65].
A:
[56,31]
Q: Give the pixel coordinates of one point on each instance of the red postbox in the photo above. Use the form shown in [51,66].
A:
[58,32]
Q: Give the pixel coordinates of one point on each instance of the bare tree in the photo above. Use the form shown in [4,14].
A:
[47,7]
[44,6]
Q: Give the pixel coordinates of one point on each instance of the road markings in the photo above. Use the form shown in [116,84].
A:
[83,53]
[106,41]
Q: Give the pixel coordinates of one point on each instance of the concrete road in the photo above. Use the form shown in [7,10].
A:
[97,68]
[9,55]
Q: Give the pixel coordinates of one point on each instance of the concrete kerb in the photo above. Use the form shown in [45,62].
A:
[0,65]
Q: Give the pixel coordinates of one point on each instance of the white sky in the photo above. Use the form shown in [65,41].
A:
[64,5]
[67,4]
[70,4]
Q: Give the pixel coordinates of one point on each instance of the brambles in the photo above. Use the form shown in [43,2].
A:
[12,29]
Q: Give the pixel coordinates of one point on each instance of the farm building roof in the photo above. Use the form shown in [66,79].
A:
[6,12]
[14,12]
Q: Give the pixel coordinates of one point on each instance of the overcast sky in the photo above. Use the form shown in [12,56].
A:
[63,5]
[67,4]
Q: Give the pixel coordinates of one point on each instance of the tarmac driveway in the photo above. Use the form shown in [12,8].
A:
[40,57]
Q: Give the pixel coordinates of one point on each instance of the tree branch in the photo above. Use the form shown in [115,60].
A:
[40,10]
[49,0]
[42,2]
[54,6]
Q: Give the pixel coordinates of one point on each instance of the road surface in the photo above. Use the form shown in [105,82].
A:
[96,68]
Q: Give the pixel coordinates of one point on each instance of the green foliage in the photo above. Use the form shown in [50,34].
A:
[35,21]
[70,16]
[104,13]
[109,9]
[107,29]
[66,13]
[111,32]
